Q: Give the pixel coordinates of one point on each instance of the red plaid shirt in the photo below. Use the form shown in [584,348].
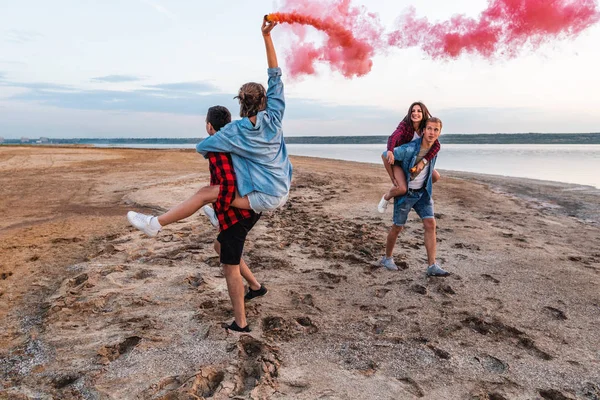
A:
[222,174]
[403,134]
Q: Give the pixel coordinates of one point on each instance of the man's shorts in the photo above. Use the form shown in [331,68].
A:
[261,202]
[233,238]
[417,199]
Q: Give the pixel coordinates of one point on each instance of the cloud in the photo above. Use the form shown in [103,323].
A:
[112,100]
[31,120]
[116,78]
[311,109]
[186,87]
[11,62]
[182,98]
[161,9]
[517,120]
[158,98]
[21,36]
[37,86]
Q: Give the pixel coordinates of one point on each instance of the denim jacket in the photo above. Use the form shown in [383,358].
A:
[407,155]
[258,152]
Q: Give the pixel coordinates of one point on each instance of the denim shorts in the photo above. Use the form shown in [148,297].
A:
[419,200]
[261,202]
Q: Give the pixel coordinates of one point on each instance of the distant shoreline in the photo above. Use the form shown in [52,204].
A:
[495,138]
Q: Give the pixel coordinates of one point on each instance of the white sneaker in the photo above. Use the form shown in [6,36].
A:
[212,216]
[382,206]
[143,222]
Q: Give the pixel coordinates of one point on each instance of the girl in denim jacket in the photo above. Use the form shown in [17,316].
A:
[258,152]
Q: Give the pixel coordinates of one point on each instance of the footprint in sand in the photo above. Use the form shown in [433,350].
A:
[553,394]
[255,371]
[330,278]
[419,289]
[143,274]
[110,353]
[497,304]
[495,396]
[529,344]
[64,380]
[411,386]
[193,280]
[490,278]
[445,289]
[371,307]
[78,280]
[466,246]
[443,354]
[302,299]
[380,293]
[492,364]
[307,324]
[555,313]
[283,329]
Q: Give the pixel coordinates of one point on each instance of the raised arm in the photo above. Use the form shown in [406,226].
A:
[266,28]
[275,98]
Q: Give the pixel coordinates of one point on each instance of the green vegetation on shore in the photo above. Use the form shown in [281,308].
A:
[495,138]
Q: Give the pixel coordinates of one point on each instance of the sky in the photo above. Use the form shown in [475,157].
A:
[151,68]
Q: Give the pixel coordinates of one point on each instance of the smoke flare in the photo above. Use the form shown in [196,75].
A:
[353,36]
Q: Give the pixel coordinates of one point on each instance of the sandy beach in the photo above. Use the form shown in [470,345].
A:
[92,309]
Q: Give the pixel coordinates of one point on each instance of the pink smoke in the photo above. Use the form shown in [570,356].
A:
[503,29]
[353,35]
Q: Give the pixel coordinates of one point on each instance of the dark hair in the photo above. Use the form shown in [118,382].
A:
[253,98]
[435,120]
[218,117]
[426,115]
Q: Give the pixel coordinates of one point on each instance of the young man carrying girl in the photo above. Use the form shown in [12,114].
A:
[263,180]
[409,129]
[417,196]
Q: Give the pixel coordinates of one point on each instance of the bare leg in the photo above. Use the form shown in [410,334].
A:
[235,287]
[435,176]
[241,202]
[399,188]
[388,168]
[249,276]
[391,239]
[204,196]
[244,270]
[430,244]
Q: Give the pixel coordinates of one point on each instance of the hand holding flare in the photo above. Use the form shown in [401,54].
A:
[344,51]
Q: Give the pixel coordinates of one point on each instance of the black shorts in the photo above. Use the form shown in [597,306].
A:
[233,238]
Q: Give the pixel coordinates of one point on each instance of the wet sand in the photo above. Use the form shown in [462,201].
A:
[90,308]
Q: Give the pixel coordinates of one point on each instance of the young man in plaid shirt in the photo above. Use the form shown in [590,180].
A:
[234,224]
